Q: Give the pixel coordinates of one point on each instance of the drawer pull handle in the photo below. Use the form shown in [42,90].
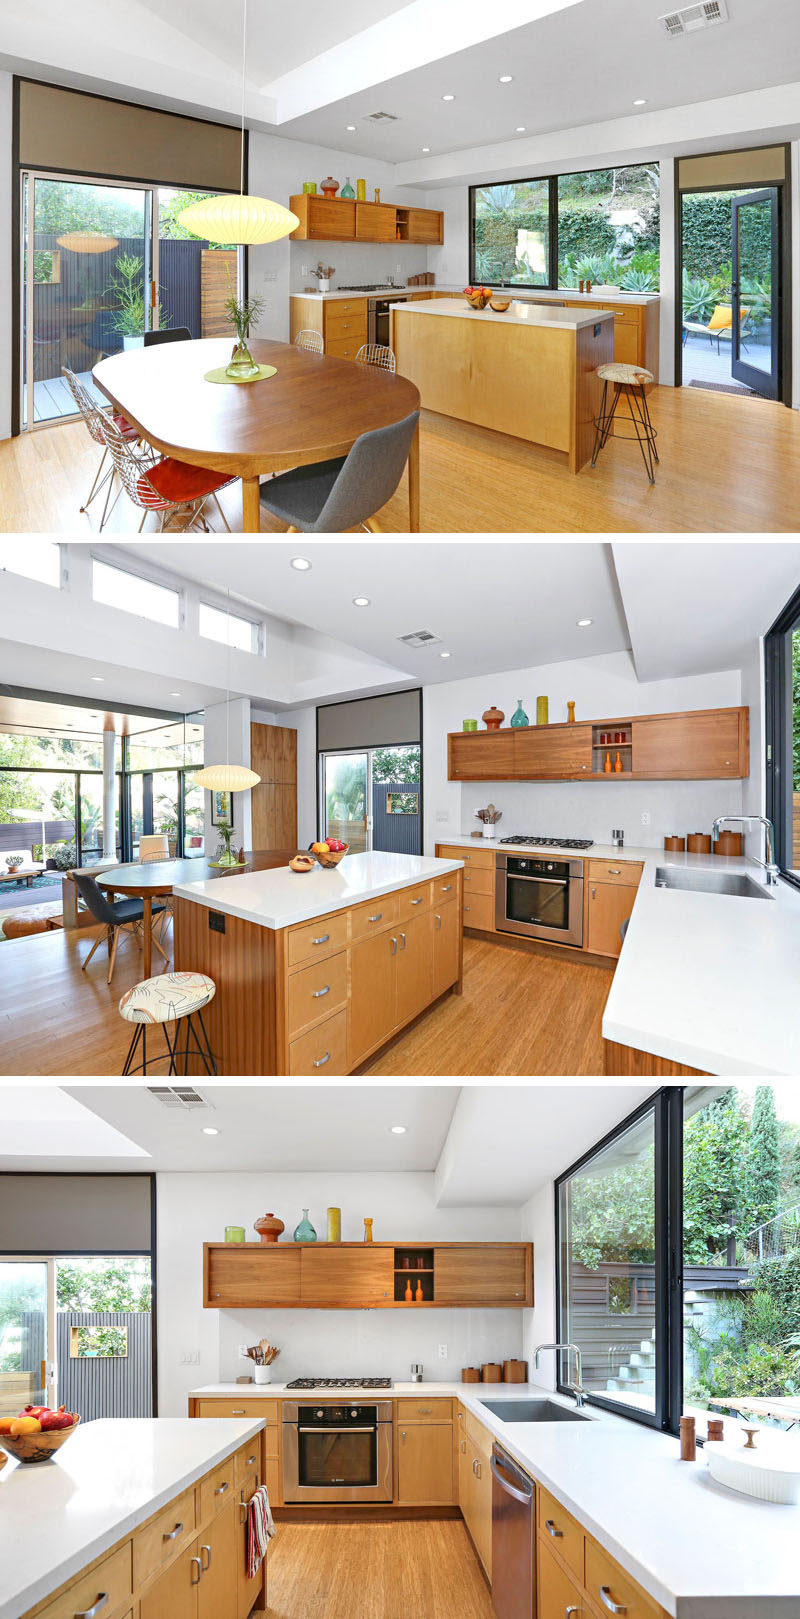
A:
[438,920]
[424,1410]
[207,1550]
[403,945]
[557,1534]
[239,1412]
[221,1488]
[446,887]
[320,992]
[417,901]
[250,1461]
[196,1564]
[615,871]
[323,939]
[89,1613]
[319,1062]
[394,947]
[174,1533]
[608,1600]
[464,1447]
[376,918]
[570,1610]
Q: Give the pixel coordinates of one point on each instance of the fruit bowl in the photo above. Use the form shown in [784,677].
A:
[37,1447]
[330,857]
[500,305]
[477,297]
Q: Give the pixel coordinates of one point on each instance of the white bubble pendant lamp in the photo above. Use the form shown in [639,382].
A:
[243,220]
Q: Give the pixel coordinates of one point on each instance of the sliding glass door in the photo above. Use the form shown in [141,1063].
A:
[372,799]
[27,1334]
[345,796]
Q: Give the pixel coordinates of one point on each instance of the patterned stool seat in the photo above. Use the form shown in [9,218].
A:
[167,997]
[634,375]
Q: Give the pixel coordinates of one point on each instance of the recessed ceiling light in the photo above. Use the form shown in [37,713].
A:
[99,678]
[398,1129]
[351,129]
[521,129]
[361,601]
[302,564]
[444,654]
[640,103]
[583,623]
[426,148]
[448,98]
[209,1130]
[505,78]
[174,694]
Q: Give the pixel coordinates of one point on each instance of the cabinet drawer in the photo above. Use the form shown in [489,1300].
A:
[112,1579]
[345,309]
[314,940]
[436,1410]
[445,888]
[247,1462]
[316,991]
[163,1538]
[217,1489]
[345,347]
[626,872]
[323,1050]
[478,1436]
[558,1595]
[607,1584]
[350,326]
[479,912]
[267,1410]
[470,857]
[478,880]
[559,1527]
[413,901]
[374,917]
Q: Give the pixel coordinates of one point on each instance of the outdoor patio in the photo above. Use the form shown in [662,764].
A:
[702,364]
[52,398]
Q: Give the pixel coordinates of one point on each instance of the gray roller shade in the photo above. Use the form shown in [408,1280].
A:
[370,722]
[765,165]
[67,1214]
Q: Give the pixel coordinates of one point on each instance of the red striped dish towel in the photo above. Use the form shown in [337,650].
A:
[260,1529]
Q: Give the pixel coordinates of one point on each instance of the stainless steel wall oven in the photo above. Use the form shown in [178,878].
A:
[337,1452]
[540,899]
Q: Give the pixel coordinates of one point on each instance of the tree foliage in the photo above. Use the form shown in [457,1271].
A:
[764,1159]
[103,1284]
[396,764]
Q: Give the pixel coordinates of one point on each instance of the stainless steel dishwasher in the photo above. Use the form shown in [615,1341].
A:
[513,1594]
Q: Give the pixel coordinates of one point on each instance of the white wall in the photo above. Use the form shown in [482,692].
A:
[601,687]
[227,733]
[6,183]
[539,1325]
[754,790]
[193,1208]
[450,262]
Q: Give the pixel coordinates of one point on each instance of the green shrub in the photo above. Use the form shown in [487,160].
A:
[779,1279]
[762,1370]
[707,226]
[63,855]
[639,281]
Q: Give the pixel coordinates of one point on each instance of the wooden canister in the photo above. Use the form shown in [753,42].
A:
[470,1374]
[728,843]
[698,843]
[492,1372]
[515,1371]
[675,845]
[716,1431]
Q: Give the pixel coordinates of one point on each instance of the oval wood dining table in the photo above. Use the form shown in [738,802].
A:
[313,409]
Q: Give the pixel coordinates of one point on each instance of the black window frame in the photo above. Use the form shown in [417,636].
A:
[666,1106]
[779,706]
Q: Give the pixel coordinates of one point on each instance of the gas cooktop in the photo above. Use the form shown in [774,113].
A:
[550,843]
[372,286]
[340,1383]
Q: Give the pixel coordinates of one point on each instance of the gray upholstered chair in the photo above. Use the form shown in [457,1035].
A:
[117,914]
[178,334]
[331,497]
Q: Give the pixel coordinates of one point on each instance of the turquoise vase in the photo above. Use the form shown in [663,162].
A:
[347,189]
[305,1232]
[520,717]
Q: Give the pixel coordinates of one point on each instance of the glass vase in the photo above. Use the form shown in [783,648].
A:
[304,1232]
[347,189]
[241,364]
[519,717]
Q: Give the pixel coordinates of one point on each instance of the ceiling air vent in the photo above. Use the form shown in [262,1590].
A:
[178,1096]
[420,638]
[381,118]
[690,18]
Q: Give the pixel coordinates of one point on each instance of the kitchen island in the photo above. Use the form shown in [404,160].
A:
[529,372]
[314,972]
[129,1518]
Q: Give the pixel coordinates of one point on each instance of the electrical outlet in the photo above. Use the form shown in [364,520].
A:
[399,269]
[443,1351]
[269,275]
[304,269]
[243,1351]
[645,817]
[190,1357]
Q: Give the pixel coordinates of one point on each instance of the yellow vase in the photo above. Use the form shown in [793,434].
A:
[361,190]
[367,1229]
[334,1225]
[542,710]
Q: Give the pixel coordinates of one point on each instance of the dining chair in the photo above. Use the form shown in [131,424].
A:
[334,496]
[153,846]
[177,334]
[92,415]
[377,354]
[311,341]
[115,915]
[165,486]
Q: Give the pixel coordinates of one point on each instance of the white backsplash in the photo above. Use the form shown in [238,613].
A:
[591,809]
[356,263]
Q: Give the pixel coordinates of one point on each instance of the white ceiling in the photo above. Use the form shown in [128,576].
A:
[489,1145]
[278,39]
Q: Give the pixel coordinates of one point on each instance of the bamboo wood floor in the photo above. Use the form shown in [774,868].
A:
[520,1014]
[408,1570]
[729,464]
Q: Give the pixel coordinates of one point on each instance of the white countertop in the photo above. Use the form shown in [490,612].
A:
[599,294]
[109,1477]
[518,314]
[376,292]
[279,898]
[699,1549]
[598,851]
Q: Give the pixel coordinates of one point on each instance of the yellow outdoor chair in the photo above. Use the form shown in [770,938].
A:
[719,327]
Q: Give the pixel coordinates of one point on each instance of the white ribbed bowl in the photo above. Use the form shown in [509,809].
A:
[766,1474]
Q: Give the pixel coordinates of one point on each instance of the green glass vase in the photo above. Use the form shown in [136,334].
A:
[347,189]
[241,365]
[519,717]
[304,1232]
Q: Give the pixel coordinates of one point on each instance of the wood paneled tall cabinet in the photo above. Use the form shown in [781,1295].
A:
[273,755]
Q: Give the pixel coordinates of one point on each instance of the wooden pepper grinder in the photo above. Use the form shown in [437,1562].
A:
[570,713]
[688,1439]
[716,1431]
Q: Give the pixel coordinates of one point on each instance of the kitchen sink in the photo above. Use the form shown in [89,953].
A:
[711,882]
[534,1411]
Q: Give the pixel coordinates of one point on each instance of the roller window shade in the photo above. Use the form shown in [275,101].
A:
[766,166]
[370,722]
[86,134]
[67,1214]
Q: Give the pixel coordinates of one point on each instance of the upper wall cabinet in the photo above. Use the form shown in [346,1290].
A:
[700,745]
[335,219]
[364,1276]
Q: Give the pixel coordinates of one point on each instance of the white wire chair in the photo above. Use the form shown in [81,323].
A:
[311,341]
[377,354]
[93,416]
[147,486]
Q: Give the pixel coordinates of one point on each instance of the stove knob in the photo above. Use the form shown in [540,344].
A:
[354,1412]
[319,1413]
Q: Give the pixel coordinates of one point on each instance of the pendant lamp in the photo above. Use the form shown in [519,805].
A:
[87,241]
[227,778]
[244,220]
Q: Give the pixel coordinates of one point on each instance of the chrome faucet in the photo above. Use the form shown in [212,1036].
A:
[773,872]
[577,1389]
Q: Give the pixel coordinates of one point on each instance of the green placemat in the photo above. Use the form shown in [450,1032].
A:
[219,374]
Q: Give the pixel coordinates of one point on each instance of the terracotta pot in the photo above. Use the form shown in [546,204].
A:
[268,1228]
[493,718]
[515,1371]
[698,843]
[492,1372]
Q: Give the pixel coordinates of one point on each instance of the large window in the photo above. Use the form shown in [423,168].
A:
[232,629]
[782,666]
[117,587]
[601,225]
[40,560]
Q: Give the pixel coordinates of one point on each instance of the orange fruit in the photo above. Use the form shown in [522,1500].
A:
[23,1425]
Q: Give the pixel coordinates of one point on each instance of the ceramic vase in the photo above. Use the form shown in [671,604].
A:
[262,1374]
[519,717]
[570,713]
[334,1225]
[469,725]
[304,1232]
[329,187]
[234,1233]
[268,1228]
[542,711]
[368,1237]
[493,718]
[361,190]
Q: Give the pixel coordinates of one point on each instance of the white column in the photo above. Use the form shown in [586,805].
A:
[109,795]
[670,295]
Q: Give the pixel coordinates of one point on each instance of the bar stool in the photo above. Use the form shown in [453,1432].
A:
[170,998]
[630,381]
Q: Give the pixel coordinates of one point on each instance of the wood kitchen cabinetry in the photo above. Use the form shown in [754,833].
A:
[610,895]
[338,219]
[478,879]
[360,1276]
[273,756]
[699,745]
[424,1450]
[341,322]
[636,329]
[475,1483]
[576,1575]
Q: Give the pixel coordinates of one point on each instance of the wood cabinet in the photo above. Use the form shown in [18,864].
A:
[700,745]
[559,1526]
[558,1594]
[113,1578]
[247,1589]
[339,219]
[422,225]
[424,1462]
[636,329]
[359,1276]
[341,323]
[323,219]
[447,932]
[375,222]
[176,1591]
[479,882]
[609,904]
[273,755]
[218,1544]
[576,1576]
[261,1274]
[373,980]
[475,1485]
[334,1276]
[414,967]
[465,1272]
